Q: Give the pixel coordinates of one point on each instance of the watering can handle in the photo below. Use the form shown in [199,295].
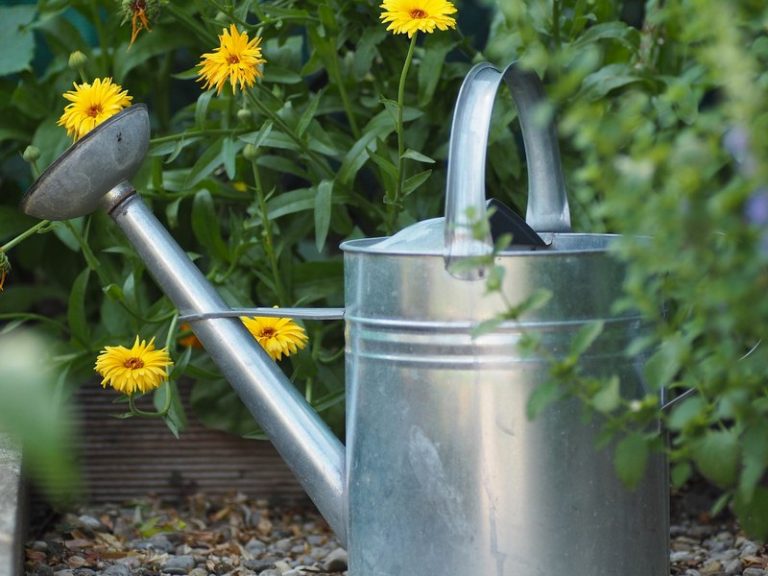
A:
[465,193]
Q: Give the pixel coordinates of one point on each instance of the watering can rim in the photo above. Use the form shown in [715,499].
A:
[36,201]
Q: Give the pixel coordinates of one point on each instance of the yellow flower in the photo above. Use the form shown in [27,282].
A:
[138,369]
[91,104]
[278,336]
[236,59]
[411,16]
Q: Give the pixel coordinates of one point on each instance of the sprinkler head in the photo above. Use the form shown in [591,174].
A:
[74,184]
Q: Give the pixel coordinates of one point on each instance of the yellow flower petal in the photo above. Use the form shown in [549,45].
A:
[91,104]
[236,60]
[411,16]
[138,369]
[278,336]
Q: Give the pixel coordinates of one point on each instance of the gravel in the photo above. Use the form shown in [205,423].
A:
[236,536]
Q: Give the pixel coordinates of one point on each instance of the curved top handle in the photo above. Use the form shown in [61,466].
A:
[465,194]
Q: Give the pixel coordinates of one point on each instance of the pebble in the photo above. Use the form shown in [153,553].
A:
[240,537]
[116,570]
[179,565]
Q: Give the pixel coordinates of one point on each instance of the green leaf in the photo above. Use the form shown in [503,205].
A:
[379,127]
[175,418]
[201,108]
[278,75]
[753,514]
[680,473]
[487,326]
[691,409]
[205,225]
[413,182]
[418,156]
[229,150]
[586,336]
[76,317]
[437,48]
[754,445]
[600,83]
[630,459]
[717,456]
[663,365]
[291,202]
[323,203]
[258,138]
[17,43]
[543,395]
[206,164]
[609,396]
[618,31]
[308,114]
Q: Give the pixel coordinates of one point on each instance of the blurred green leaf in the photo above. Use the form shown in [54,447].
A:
[17,45]
[630,459]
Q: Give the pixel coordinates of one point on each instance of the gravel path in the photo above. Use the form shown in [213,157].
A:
[240,537]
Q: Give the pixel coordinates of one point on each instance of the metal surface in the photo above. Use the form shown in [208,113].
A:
[301,313]
[74,184]
[444,465]
[311,450]
[465,185]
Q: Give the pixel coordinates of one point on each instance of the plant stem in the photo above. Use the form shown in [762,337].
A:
[393,206]
[278,121]
[269,247]
[24,235]
[335,72]
[196,133]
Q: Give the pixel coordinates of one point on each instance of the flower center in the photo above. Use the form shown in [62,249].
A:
[94,110]
[417,13]
[134,363]
[267,332]
[233,59]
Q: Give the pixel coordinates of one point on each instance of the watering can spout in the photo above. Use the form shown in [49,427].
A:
[307,445]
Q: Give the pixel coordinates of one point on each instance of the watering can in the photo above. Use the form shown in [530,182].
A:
[442,472]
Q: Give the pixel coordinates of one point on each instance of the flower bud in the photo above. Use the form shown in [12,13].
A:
[243,115]
[31,154]
[77,60]
[250,152]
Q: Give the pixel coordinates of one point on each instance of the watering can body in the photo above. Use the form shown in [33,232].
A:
[442,471]
[446,473]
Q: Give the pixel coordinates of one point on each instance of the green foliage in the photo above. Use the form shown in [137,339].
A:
[662,113]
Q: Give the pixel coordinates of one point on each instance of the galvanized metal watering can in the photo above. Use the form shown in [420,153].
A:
[442,472]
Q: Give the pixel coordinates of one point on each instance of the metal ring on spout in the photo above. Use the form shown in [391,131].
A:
[300,313]
[465,190]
